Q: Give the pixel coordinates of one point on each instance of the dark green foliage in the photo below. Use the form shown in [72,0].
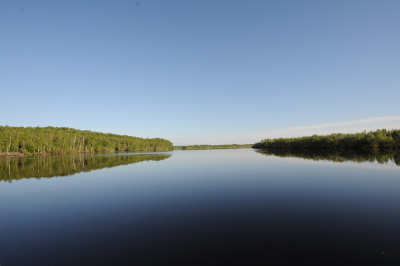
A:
[358,156]
[211,147]
[55,140]
[51,166]
[381,138]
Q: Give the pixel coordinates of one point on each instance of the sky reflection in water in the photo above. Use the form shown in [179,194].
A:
[205,207]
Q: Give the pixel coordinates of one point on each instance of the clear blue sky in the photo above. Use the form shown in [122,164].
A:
[198,71]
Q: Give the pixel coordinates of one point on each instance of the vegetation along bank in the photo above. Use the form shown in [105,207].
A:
[381,138]
[17,141]
[213,147]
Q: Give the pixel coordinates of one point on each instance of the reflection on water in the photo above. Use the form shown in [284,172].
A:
[210,207]
[52,166]
[337,156]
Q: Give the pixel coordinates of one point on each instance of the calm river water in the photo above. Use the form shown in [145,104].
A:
[213,207]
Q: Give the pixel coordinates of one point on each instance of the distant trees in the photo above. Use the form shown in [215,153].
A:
[55,140]
[381,138]
[211,147]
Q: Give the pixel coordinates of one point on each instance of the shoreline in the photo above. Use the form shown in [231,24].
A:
[21,154]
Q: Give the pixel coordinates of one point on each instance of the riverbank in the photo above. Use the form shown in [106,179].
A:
[379,139]
[21,154]
[26,141]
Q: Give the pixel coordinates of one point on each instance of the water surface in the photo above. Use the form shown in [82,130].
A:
[213,207]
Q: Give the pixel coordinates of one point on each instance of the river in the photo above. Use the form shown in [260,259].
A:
[208,207]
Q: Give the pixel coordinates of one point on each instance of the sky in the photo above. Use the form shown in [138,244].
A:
[201,72]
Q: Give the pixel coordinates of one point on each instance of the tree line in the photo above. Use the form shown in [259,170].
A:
[64,140]
[213,147]
[381,138]
[52,166]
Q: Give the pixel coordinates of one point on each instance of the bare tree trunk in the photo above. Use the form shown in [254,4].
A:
[9,145]
[83,142]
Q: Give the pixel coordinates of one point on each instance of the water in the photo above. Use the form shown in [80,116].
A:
[217,207]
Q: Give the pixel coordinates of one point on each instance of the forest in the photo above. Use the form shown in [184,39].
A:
[379,139]
[213,147]
[53,166]
[64,140]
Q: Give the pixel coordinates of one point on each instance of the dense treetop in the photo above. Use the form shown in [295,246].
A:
[381,138]
[56,140]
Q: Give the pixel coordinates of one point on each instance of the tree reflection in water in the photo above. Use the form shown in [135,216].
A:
[337,156]
[53,166]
